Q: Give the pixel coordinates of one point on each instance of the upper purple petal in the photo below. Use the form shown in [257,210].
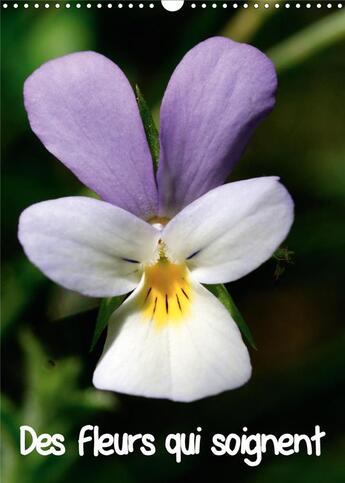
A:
[215,99]
[83,109]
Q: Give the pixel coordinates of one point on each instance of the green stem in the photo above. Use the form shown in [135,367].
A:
[308,42]
[246,23]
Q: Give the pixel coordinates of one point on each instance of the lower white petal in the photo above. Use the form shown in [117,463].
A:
[87,245]
[190,350]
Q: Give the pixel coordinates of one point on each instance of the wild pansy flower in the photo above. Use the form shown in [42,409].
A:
[158,238]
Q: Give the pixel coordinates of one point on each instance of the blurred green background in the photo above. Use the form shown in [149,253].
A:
[295,310]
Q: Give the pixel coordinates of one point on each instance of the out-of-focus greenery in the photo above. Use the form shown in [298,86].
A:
[295,314]
[51,399]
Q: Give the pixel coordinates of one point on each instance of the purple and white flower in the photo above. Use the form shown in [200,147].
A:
[158,238]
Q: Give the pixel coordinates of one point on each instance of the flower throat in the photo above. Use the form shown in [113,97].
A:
[166,294]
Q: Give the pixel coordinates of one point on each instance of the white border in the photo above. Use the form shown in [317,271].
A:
[197,4]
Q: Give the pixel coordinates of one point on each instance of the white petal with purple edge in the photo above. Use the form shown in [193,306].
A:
[198,356]
[87,245]
[231,230]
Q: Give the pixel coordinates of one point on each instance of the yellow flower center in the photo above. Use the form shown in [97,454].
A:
[162,220]
[166,294]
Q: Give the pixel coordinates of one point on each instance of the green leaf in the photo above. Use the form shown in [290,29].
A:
[149,126]
[283,254]
[107,307]
[225,298]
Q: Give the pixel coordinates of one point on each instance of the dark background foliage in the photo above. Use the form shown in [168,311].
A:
[294,310]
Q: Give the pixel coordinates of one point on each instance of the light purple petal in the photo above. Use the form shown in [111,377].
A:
[83,109]
[214,100]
